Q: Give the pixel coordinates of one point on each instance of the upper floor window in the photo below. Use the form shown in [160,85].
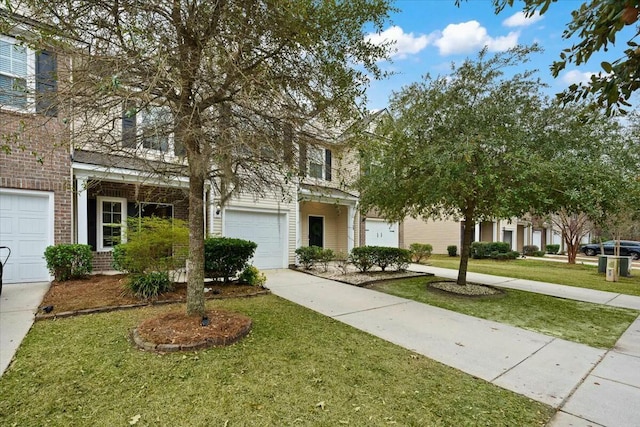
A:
[13,74]
[147,128]
[18,82]
[319,163]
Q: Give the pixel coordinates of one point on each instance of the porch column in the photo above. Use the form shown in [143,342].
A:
[350,228]
[496,227]
[477,231]
[82,222]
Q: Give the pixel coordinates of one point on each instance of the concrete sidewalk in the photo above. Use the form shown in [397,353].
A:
[19,303]
[591,387]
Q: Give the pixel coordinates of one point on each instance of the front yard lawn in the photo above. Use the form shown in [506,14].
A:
[580,275]
[592,324]
[296,367]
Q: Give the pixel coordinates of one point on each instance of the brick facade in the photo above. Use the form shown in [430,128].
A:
[38,159]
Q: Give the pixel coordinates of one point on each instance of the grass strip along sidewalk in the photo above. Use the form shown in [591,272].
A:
[296,367]
[591,324]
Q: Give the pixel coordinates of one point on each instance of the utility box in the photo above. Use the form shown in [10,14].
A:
[624,264]
[612,269]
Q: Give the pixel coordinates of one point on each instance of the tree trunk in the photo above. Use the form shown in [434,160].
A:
[572,250]
[195,277]
[467,237]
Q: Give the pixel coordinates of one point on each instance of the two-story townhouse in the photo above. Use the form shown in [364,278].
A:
[35,166]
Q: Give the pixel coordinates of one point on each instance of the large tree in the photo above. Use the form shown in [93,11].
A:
[597,24]
[235,82]
[467,145]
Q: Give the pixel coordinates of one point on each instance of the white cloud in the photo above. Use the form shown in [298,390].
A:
[519,19]
[470,37]
[576,77]
[404,44]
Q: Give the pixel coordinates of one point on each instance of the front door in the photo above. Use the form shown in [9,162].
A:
[316,231]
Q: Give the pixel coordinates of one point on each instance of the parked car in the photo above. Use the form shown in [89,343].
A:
[627,248]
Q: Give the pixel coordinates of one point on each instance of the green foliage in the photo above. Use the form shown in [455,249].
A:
[69,261]
[225,257]
[342,262]
[365,257]
[153,244]
[482,250]
[420,251]
[310,255]
[252,276]
[537,253]
[452,250]
[530,249]
[553,248]
[149,285]
[362,258]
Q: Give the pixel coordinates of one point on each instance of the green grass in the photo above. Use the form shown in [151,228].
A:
[579,275]
[592,324]
[295,368]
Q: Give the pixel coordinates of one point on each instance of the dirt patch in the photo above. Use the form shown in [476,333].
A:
[175,331]
[107,292]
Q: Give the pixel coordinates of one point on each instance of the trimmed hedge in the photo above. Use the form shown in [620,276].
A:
[452,250]
[420,251]
[553,249]
[310,255]
[493,250]
[225,257]
[365,257]
[69,261]
[530,249]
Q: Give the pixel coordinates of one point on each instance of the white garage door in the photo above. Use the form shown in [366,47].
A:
[25,227]
[266,229]
[381,233]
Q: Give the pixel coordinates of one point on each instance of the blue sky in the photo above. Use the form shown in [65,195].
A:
[431,34]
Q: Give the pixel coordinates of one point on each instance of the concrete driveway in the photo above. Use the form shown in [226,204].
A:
[19,303]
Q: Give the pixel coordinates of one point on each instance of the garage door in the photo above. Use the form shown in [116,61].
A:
[381,233]
[25,227]
[266,229]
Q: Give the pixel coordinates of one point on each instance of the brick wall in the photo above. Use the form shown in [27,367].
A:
[38,159]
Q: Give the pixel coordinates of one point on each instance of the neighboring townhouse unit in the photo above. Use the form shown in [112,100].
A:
[35,167]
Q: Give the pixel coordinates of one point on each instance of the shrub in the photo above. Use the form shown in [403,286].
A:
[452,250]
[153,244]
[513,254]
[149,285]
[538,253]
[501,256]
[365,257]
[362,258]
[482,250]
[69,261]
[342,262]
[325,257]
[225,257]
[529,249]
[553,249]
[252,276]
[308,255]
[420,251]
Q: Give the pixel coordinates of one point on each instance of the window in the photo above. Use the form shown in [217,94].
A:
[13,74]
[319,163]
[148,128]
[112,217]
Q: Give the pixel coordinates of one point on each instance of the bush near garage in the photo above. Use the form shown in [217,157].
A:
[553,249]
[69,261]
[252,276]
[225,257]
[530,249]
[311,255]
[420,251]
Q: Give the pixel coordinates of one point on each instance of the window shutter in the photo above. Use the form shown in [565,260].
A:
[128,126]
[302,158]
[46,83]
[327,165]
